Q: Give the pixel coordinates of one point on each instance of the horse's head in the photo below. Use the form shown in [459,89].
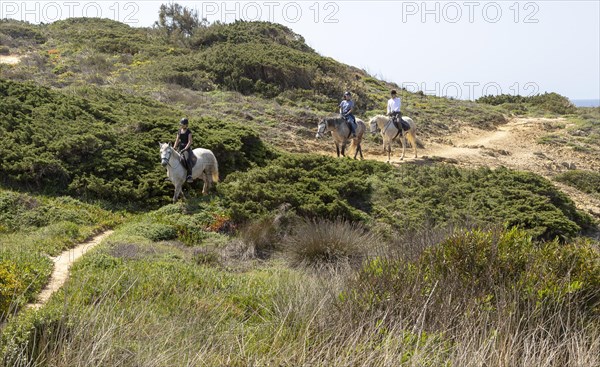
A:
[165,153]
[373,123]
[321,128]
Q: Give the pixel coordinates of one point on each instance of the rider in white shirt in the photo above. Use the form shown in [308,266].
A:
[393,106]
[393,109]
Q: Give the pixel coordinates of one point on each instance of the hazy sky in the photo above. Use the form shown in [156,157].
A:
[461,49]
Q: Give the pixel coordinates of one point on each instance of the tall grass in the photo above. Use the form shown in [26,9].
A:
[166,310]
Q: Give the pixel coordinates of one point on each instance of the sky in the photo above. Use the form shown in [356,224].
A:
[460,49]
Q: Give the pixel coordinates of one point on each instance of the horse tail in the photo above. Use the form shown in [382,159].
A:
[215,169]
[360,131]
[414,141]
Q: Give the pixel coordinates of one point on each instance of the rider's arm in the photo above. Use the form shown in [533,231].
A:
[176,142]
[189,144]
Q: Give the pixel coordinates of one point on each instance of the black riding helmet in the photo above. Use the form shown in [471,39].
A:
[348,94]
[183,121]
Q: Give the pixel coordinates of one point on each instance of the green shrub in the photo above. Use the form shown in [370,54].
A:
[406,198]
[203,256]
[443,195]
[154,231]
[483,270]
[313,186]
[22,276]
[21,33]
[103,144]
[103,35]
[547,102]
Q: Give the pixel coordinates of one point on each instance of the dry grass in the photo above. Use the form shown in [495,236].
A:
[320,241]
[271,315]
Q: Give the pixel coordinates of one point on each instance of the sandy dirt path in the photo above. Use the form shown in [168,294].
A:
[62,264]
[10,59]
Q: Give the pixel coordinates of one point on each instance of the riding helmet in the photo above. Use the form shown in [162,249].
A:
[183,121]
[347,94]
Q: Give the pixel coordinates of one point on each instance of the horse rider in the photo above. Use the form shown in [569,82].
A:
[183,142]
[346,108]
[393,109]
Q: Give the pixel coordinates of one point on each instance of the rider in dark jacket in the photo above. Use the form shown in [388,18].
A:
[346,108]
[183,142]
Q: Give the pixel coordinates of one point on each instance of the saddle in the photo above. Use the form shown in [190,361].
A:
[192,159]
[403,125]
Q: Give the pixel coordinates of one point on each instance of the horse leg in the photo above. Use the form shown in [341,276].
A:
[206,185]
[343,149]
[178,191]
[403,140]
[414,143]
[337,148]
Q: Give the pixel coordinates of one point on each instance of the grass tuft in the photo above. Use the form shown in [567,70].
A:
[318,241]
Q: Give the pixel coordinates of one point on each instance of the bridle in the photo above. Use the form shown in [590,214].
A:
[374,127]
[321,129]
[165,157]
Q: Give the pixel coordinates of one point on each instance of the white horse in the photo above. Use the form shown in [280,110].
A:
[389,132]
[206,168]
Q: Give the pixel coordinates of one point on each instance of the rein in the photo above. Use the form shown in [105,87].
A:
[167,157]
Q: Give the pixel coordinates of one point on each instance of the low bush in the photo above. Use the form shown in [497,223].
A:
[547,102]
[491,271]
[406,198]
[155,231]
[85,146]
[22,276]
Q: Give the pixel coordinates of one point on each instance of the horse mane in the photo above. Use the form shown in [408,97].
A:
[173,151]
[333,120]
[378,118]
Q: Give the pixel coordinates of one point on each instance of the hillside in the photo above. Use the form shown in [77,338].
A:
[481,251]
[249,71]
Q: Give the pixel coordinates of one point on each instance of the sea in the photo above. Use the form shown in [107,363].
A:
[586,102]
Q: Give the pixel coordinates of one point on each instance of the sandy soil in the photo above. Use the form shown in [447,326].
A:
[62,263]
